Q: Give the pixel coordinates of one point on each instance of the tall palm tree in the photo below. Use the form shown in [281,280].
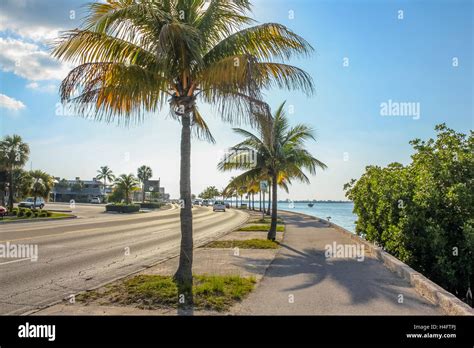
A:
[281,156]
[13,154]
[127,184]
[135,56]
[144,173]
[106,174]
[41,184]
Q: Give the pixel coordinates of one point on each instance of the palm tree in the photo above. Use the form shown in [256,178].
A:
[144,173]
[13,154]
[281,156]
[41,184]
[135,56]
[127,184]
[106,174]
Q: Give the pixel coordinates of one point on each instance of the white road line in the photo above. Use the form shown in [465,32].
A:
[5,263]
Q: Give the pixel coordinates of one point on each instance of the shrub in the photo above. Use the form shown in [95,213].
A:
[48,213]
[122,208]
[28,213]
[151,205]
[21,212]
[44,213]
[14,212]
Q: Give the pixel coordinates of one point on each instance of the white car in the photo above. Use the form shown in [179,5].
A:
[218,205]
[30,203]
[95,200]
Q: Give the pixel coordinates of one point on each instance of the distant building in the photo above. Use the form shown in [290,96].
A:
[81,191]
[153,192]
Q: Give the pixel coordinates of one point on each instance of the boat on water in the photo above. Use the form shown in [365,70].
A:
[310,205]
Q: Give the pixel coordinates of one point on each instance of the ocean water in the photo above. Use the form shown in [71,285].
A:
[341,213]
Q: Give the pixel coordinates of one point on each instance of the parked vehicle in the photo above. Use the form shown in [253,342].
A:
[197,202]
[30,203]
[227,205]
[3,211]
[218,205]
[95,200]
[205,203]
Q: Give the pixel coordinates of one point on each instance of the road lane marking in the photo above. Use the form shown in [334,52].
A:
[5,263]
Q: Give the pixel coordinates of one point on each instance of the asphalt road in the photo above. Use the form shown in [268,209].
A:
[79,254]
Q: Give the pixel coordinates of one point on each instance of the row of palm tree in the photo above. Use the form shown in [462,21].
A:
[135,56]
[126,182]
[280,157]
[14,154]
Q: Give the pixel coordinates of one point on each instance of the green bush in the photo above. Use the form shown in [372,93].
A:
[151,205]
[423,213]
[48,213]
[21,212]
[122,208]
[14,212]
[44,214]
[28,213]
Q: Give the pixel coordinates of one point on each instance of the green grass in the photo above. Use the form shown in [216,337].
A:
[244,244]
[7,219]
[266,220]
[216,293]
[265,228]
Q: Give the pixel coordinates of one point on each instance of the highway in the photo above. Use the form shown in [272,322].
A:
[79,254]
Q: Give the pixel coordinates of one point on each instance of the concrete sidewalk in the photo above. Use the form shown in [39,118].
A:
[302,281]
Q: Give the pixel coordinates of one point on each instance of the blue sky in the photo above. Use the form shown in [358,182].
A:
[407,60]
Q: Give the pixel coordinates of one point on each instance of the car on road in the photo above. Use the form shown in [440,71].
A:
[3,211]
[30,203]
[218,205]
[95,200]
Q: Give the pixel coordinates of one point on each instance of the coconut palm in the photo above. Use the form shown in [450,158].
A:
[13,155]
[127,184]
[41,184]
[106,174]
[144,173]
[135,56]
[281,156]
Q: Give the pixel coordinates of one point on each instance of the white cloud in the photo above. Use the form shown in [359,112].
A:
[10,103]
[39,20]
[47,88]
[29,61]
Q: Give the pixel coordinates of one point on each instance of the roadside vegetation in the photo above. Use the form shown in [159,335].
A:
[29,214]
[211,292]
[423,213]
[263,228]
[244,244]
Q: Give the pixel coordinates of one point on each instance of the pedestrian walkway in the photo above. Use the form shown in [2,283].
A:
[303,281]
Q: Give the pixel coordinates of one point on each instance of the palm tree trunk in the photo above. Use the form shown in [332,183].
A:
[10,191]
[143,193]
[184,275]
[272,232]
[269,196]
[260,204]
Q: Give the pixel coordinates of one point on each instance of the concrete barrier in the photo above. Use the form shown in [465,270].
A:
[434,293]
